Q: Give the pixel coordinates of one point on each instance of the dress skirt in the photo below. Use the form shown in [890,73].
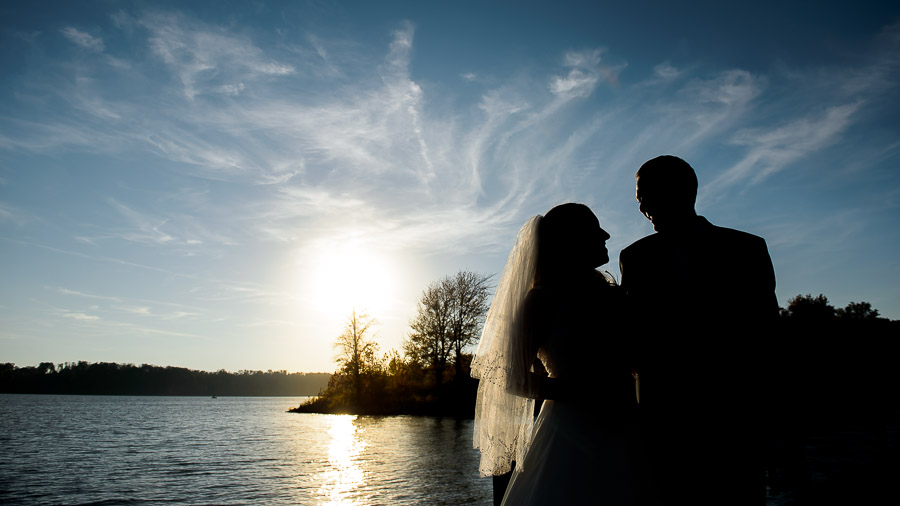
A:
[577,456]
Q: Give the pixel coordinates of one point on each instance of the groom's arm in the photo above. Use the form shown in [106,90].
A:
[633,316]
[623,259]
[758,302]
[767,298]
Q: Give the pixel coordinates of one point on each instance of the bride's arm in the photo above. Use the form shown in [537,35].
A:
[548,388]
[536,385]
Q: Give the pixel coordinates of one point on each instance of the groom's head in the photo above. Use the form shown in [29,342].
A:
[666,190]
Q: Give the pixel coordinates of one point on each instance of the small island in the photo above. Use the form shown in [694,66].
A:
[382,393]
[431,377]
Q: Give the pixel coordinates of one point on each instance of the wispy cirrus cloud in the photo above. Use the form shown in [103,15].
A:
[881,69]
[83,39]
[711,106]
[6,212]
[76,293]
[667,71]
[110,327]
[79,316]
[203,56]
[385,136]
[163,310]
[817,116]
[771,150]
[375,142]
[149,230]
[161,228]
[375,150]
[586,69]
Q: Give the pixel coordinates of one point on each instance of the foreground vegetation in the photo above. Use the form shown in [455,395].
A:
[127,379]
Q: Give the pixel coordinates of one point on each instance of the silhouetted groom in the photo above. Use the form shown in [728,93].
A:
[702,300]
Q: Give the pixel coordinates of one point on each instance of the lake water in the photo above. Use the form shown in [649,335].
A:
[232,450]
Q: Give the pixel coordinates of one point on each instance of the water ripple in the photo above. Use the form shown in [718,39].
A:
[198,451]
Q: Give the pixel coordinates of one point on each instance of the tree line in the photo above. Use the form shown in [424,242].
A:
[809,308]
[104,378]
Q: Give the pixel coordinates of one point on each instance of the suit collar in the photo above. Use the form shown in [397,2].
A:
[698,225]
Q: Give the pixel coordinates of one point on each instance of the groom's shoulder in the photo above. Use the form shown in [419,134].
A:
[644,244]
[738,245]
[732,235]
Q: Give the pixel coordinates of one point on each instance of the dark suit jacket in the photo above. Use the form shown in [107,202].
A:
[701,305]
[707,276]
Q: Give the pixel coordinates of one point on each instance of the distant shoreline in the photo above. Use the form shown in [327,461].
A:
[103,378]
[211,397]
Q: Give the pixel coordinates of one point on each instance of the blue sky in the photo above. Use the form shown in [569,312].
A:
[217,184]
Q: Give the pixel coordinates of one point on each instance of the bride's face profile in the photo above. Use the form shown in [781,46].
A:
[594,242]
[597,244]
[573,239]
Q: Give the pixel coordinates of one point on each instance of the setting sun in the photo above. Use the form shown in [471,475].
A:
[349,274]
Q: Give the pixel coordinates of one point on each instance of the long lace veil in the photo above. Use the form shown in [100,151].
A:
[503,420]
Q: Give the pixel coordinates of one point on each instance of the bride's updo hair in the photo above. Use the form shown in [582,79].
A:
[566,241]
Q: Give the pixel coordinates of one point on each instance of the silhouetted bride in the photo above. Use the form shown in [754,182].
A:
[552,305]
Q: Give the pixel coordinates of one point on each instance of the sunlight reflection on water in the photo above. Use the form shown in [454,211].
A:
[344,475]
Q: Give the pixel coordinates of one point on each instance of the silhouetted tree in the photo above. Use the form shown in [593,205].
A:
[356,349]
[858,311]
[402,372]
[448,318]
[470,293]
[807,307]
[429,343]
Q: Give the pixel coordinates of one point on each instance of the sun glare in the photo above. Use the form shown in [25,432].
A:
[350,275]
[344,475]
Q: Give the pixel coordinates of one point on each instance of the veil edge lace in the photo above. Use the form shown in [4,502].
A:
[504,421]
